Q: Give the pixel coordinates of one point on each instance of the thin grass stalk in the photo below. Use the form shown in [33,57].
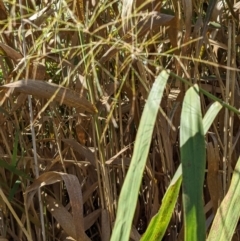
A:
[214,59]
[206,93]
[104,173]
[121,133]
[113,105]
[93,122]
[32,126]
[98,167]
[206,23]
[232,97]
[167,54]
[5,199]
[104,169]
[95,127]
[226,114]
[36,166]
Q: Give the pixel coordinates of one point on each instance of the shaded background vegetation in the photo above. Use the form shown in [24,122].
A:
[88,67]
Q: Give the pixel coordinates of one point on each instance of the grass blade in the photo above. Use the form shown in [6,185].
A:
[159,223]
[210,116]
[14,170]
[193,157]
[228,213]
[130,189]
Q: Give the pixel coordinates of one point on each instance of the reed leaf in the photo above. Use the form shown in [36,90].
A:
[193,158]
[159,223]
[129,193]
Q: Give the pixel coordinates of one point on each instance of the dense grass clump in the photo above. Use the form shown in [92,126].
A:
[108,108]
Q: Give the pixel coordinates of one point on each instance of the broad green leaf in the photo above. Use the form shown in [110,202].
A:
[129,193]
[193,158]
[227,217]
[159,223]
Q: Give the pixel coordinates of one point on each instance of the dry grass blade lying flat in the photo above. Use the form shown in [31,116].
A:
[41,89]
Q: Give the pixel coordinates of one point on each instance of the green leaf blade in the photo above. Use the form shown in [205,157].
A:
[227,217]
[193,157]
[130,189]
[159,223]
[210,116]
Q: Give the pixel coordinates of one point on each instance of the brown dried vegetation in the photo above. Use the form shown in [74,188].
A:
[74,79]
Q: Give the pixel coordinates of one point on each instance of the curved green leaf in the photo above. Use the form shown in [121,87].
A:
[210,116]
[159,223]
[130,189]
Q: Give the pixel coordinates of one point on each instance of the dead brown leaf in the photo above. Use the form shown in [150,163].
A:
[75,195]
[63,217]
[51,91]
[82,150]
[10,52]
[91,218]
[213,176]
[105,225]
